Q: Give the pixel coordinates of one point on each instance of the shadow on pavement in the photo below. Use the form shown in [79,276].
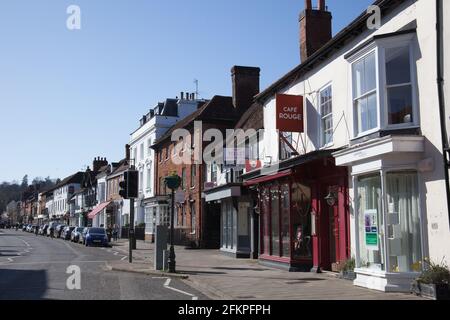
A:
[200,272]
[22,284]
[240,269]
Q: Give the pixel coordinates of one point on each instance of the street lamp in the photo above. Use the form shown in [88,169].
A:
[172,182]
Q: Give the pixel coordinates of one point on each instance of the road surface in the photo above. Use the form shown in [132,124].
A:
[36,267]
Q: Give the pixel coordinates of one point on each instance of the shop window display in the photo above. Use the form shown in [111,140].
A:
[403,220]
[301,221]
[370,219]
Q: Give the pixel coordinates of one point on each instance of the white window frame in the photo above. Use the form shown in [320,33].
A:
[149,149]
[378,47]
[324,144]
[383,172]
[149,177]
[405,41]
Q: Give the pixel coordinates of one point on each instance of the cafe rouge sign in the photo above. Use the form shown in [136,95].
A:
[289,113]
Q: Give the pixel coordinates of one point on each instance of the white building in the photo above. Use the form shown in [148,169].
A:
[152,126]
[370,96]
[62,193]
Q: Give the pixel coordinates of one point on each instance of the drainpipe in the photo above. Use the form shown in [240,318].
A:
[440,84]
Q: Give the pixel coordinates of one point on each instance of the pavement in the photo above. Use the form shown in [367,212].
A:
[225,278]
[40,268]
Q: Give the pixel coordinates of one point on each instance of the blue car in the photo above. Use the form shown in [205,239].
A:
[96,237]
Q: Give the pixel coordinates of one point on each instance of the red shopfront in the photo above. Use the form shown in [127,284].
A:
[304,215]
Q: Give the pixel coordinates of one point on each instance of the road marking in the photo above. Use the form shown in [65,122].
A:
[166,285]
[116,253]
[124,258]
[10,260]
[49,262]
[28,245]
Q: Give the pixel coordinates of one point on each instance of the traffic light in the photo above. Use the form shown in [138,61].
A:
[133,184]
[128,188]
[123,192]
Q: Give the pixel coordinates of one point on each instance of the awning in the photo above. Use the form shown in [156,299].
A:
[268,178]
[98,209]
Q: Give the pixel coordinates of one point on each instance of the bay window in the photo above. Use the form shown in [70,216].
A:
[365,94]
[399,89]
[383,85]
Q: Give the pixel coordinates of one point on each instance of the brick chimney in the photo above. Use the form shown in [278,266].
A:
[315,28]
[98,163]
[245,82]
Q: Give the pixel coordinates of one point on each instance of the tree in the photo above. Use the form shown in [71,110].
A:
[24,181]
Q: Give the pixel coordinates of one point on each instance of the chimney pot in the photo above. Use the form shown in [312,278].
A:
[182,95]
[315,29]
[322,5]
[308,5]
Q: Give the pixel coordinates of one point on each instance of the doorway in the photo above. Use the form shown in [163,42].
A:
[330,231]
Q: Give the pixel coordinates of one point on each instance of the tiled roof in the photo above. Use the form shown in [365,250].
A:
[75,178]
[253,118]
[219,108]
[349,33]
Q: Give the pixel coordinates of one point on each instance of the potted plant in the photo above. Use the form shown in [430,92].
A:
[347,269]
[434,282]
[173,181]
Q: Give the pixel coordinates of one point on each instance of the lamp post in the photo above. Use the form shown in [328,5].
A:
[172,182]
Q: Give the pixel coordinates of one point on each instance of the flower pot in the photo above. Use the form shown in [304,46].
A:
[431,291]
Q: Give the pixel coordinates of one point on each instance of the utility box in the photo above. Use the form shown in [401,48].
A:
[160,247]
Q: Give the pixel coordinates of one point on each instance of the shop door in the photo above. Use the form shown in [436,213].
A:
[330,233]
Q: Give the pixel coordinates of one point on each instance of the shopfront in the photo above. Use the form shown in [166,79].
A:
[304,218]
[387,221]
[238,237]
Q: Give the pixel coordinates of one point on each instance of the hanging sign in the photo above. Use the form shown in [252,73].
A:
[371,229]
[289,113]
[251,165]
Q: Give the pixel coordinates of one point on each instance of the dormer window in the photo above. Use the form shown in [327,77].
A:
[383,85]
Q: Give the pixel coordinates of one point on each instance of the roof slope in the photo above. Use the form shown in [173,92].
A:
[347,34]
[219,108]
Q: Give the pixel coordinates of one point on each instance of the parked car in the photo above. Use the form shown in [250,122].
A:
[66,233]
[43,230]
[29,226]
[76,234]
[24,227]
[59,229]
[95,236]
[34,228]
[51,228]
[83,235]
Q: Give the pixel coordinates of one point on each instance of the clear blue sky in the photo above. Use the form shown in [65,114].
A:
[69,96]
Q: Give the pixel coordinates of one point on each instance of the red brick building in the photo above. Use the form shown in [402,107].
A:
[196,224]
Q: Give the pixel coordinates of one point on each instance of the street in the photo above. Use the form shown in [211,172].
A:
[36,267]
